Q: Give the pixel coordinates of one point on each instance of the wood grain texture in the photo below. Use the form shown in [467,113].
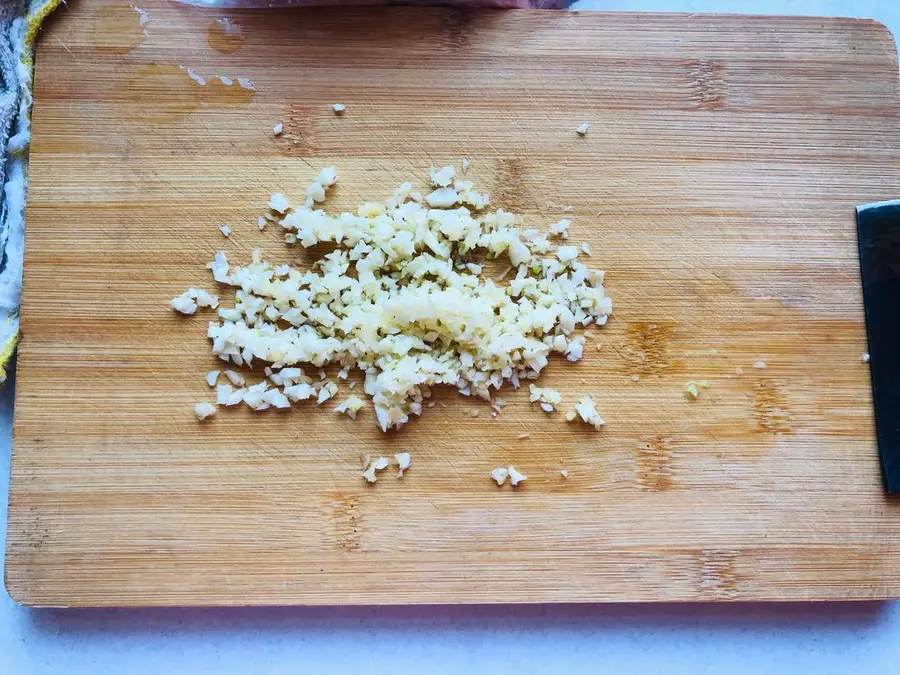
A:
[717,188]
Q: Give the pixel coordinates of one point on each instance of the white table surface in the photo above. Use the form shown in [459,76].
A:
[690,638]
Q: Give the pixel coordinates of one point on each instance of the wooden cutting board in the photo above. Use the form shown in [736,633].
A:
[716,187]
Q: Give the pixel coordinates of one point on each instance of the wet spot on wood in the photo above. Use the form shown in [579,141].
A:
[719,575]
[647,346]
[170,90]
[225,36]
[457,25]
[119,29]
[509,191]
[296,140]
[770,408]
[707,83]
[346,520]
[653,468]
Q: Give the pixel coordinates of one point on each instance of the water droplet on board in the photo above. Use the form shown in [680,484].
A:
[225,36]
[119,29]
[168,91]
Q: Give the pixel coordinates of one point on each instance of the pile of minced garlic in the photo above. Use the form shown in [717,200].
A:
[402,297]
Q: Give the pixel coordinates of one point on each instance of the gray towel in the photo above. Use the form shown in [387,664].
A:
[19,23]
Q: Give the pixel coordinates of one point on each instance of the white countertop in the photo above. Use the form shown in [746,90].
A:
[672,639]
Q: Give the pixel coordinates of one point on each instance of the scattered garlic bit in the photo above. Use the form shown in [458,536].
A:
[442,198]
[184,304]
[223,394]
[379,464]
[203,410]
[522,437]
[497,405]
[739,371]
[326,391]
[203,298]
[339,108]
[442,177]
[561,228]
[566,253]
[315,192]
[866,357]
[582,129]
[278,129]
[225,230]
[500,475]
[692,389]
[212,376]
[396,300]
[261,223]
[635,378]
[403,460]
[564,473]
[235,378]
[586,248]
[237,396]
[351,406]
[588,413]
[191,299]
[759,364]
[571,415]
[279,203]
[465,165]
[549,398]
[515,477]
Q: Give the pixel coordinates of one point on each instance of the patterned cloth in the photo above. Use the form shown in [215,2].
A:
[20,21]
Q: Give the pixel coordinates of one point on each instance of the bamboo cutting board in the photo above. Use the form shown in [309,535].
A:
[716,187]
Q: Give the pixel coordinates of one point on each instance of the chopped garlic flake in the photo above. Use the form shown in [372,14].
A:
[235,378]
[378,465]
[279,203]
[515,477]
[278,129]
[183,304]
[500,475]
[443,177]
[588,412]
[582,129]
[692,389]
[204,410]
[403,460]
[351,406]
[548,398]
